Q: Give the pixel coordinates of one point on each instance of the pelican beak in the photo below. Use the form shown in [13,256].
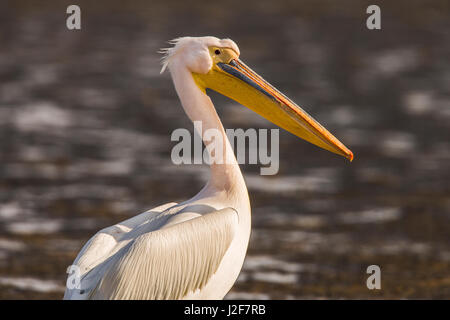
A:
[240,83]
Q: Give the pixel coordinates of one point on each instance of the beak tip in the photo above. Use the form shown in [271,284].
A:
[350,156]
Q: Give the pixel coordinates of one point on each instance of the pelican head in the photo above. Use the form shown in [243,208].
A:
[215,64]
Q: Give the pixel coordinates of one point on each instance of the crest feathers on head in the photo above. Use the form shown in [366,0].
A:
[168,53]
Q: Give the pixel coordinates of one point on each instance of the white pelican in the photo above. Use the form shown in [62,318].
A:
[194,249]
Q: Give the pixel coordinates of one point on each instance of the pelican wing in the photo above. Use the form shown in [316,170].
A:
[167,263]
[101,245]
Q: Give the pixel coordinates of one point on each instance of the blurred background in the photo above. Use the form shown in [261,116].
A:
[86,118]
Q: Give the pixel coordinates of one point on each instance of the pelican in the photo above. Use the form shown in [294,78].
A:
[194,249]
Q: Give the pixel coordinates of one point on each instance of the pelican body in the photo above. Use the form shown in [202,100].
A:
[194,249]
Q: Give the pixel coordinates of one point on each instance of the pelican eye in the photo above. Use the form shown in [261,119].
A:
[217,51]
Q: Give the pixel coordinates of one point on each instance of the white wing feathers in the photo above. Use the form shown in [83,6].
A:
[99,247]
[167,263]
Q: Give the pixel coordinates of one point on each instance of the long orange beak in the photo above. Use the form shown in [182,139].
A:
[240,83]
